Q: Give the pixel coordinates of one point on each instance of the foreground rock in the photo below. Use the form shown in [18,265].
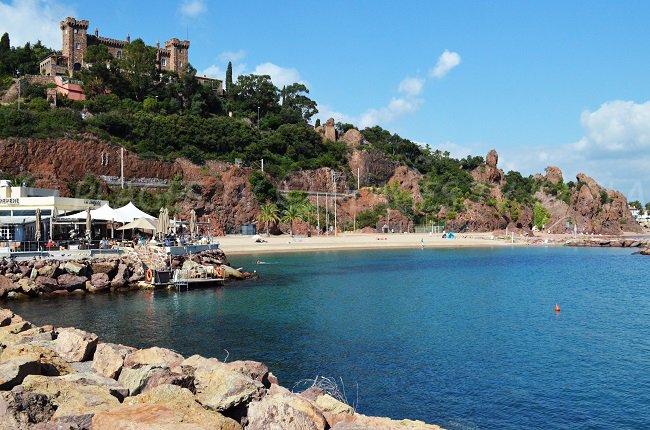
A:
[47,381]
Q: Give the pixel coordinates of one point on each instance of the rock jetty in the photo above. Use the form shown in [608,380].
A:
[66,378]
[605,242]
[36,277]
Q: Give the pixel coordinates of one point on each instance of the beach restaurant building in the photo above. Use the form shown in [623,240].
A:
[18,211]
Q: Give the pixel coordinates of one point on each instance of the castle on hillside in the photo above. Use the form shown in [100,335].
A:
[76,40]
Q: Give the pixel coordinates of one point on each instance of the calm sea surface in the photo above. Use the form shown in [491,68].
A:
[466,339]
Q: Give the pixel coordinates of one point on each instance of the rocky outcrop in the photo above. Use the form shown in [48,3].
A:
[374,168]
[489,172]
[205,394]
[353,138]
[328,130]
[52,164]
[554,175]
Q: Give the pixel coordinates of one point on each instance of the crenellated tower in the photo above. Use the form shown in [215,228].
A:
[75,41]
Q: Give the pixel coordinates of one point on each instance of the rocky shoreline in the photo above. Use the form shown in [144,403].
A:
[68,379]
[612,242]
[38,277]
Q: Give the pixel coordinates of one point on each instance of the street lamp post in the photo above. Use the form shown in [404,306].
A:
[18,76]
[258,117]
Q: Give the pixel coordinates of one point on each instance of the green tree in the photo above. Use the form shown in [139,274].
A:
[399,199]
[540,216]
[269,213]
[251,92]
[317,122]
[139,65]
[4,43]
[263,188]
[294,99]
[290,214]
[229,87]
[636,204]
[647,206]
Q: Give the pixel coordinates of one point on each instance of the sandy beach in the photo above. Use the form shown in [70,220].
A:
[237,245]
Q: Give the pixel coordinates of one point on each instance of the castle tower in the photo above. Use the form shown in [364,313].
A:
[178,54]
[75,42]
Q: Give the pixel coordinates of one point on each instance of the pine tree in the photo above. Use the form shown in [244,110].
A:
[4,42]
[317,122]
[229,78]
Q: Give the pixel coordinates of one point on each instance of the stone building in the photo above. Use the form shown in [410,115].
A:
[76,40]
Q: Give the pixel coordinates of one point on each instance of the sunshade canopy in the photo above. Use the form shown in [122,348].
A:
[141,224]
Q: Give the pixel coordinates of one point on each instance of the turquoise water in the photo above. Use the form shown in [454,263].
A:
[463,338]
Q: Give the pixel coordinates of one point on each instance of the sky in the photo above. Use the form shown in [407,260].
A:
[561,83]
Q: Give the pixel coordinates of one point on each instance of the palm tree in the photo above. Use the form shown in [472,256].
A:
[269,213]
[290,214]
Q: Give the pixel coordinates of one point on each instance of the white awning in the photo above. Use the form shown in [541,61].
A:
[103,213]
[130,212]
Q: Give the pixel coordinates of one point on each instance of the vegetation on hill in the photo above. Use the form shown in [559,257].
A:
[167,115]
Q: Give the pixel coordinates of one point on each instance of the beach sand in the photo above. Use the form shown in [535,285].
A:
[238,245]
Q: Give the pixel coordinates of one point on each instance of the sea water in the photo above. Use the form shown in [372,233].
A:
[465,338]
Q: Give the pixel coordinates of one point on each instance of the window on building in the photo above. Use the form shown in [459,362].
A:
[77,46]
[119,54]
[76,31]
[163,62]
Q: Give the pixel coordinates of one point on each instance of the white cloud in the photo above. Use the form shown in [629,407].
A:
[280,76]
[615,150]
[411,86]
[396,108]
[234,57]
[33,20]
[213,71]
[447,61]
[193,8]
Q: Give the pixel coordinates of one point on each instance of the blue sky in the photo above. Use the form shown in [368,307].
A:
[544,83]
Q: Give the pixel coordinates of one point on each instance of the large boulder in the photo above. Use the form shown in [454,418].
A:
[90,378]
[183,402]
[71,282]
[161,357]
[21,410]
[47,284]
[75,268]
[71,397]
[28,286]
[14,371]
[219,388]
[51,364]
[136,379]
[76,345]
[7,317]
[6,285]
[109,359]
[107,267]
[252,369]
[283,410]
[362,422]
[99,282]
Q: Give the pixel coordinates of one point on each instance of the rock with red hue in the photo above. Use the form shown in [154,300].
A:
[408,180]
[99,282]
[252,369]
[47,285]
[282,409]
[71,282]
[75,345]
[109,359]
[489,172]
[554,175]
[155,356]
[353,138]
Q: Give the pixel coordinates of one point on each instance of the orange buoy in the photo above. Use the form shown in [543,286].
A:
[557,308]
[149,276]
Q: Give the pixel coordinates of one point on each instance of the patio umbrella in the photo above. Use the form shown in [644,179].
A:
[113,228]
[55,213]
[37,225]
[89,226]
[192,222]
[163,223]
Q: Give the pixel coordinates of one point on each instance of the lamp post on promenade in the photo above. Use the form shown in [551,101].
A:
[258,117]
[18,76]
